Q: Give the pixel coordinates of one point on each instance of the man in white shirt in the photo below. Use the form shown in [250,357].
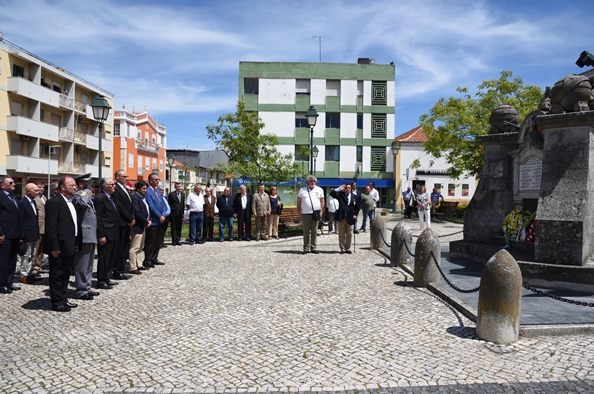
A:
[309,200]
[374,194]
[195,203]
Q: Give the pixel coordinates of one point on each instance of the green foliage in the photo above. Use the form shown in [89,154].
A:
[452,125]
[251,154]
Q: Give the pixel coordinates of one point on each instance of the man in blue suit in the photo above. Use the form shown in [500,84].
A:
[158,211]
[10,234]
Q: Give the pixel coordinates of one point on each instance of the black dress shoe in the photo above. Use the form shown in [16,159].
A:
[13,287]
[163,246]
[87,297]
[94,293]
[70,304]
[104,286]
[248,239]
[112,283]
[121,276]
[356,231]
[5,290]
[158,263]
[349,252]
[315,252]
[61,308]
[178,243]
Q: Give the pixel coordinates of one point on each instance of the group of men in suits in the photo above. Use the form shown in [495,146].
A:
[69,226]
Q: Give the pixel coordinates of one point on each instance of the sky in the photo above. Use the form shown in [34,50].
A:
[179,59]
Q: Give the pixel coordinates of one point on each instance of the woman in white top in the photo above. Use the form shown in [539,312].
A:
[332,205]
[424,207]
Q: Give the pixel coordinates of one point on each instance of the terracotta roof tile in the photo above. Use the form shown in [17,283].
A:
[414,135]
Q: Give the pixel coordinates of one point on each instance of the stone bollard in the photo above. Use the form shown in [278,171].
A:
[378,233]
[398,252]
[500,295]
[425,270]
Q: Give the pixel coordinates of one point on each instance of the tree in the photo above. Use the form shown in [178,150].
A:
[252,155]
[452,125]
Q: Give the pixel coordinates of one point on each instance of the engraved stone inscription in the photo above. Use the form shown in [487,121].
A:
[531,174]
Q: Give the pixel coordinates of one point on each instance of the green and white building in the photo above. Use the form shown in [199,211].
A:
[355,128]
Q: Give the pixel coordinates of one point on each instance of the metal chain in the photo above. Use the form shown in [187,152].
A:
[453,286]
[449,235]
[407,249]
[581,303]
[383,239]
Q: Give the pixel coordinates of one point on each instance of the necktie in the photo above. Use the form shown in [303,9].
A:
[178,197]
[13,200]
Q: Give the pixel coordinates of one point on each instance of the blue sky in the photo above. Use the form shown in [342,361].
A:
[180,59]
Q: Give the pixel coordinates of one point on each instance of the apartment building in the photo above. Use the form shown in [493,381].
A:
[47,128]
[139,144]
[355,127]
[194,166]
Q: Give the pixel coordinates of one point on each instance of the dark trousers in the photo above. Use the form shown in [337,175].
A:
[8,260]
[243,218]
[123,249]
[151,246]
[177,218]
[208,228]
[407,208]
[163,229]
[59,275]
[105,263]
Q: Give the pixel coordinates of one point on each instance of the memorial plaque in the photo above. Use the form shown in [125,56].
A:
[531,174]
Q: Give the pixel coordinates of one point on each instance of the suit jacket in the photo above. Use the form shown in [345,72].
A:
[59,228]
[177,206]
[124,203]
[29,222]
[260,206]
[41,213]
[108,224]
[156,205]
[141,214]
[10,218]
[87,216]
[209,206]
[225,207]
[345,209]
[237,204]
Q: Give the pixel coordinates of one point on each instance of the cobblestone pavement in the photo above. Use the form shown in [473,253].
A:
[260,317]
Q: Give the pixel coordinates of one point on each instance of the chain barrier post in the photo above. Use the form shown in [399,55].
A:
[398,254]
[500,295]
[378,232]
[425,270]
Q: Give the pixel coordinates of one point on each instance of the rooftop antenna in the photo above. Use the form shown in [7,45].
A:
[320,43]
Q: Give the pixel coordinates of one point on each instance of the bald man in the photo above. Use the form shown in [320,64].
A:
[30,224]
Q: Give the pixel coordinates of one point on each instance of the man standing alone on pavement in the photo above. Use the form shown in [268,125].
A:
[310,206]
[408,197]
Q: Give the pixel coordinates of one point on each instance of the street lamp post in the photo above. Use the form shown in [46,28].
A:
[314,153]
[170,161]
[50,152]
[395,149]
[100,112]
[312,118]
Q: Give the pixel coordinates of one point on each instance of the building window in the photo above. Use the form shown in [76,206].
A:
[332,88]
[379,93]
[116,129]
[147,163]
[451,189]
[359,154]
[332,153]
[359,88]
[360,121]
[301,121]
[378,126]
[378,158]
[250,85]
[18,71]
[84,98]
[131,160]
[303,87]
[465,189]
[57,87]
[301,152]
[437,186]
[138,134]
[333,120]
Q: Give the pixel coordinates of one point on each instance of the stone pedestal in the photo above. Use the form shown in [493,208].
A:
[565,214]
[493,198]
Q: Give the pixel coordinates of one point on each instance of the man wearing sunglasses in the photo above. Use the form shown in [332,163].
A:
[10,234]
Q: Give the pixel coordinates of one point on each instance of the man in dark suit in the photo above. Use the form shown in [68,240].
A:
[225,206]
[242,208]
[138,231]
[123,201]
[61,242]
[10,234]
[176,201]
[108,232]
[348,209]
[30,225]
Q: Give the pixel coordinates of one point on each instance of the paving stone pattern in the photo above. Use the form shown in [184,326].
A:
[260,317]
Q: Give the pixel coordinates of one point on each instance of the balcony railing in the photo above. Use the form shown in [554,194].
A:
[80,137]
[66,101]
[65,166]
[66,134]
[148,146]
[80,106]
